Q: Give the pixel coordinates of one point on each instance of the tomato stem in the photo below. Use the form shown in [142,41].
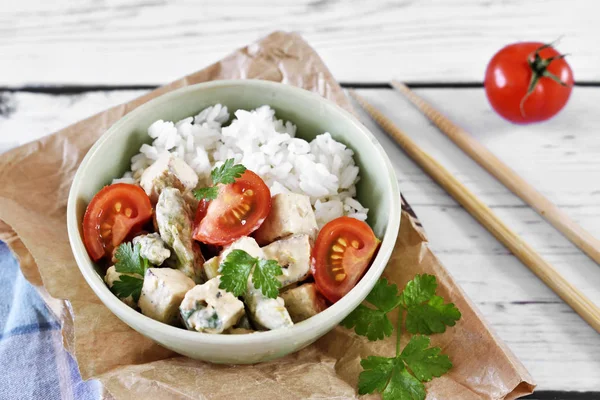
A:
[539,68]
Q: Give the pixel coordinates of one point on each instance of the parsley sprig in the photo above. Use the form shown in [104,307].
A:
[401,377]
[237,267]
[225,174]
[129,261]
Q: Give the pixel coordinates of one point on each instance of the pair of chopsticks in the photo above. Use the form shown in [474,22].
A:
[482,213]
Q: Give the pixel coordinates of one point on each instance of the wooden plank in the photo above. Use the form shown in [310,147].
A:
[150,42]
[558,348]
[27,116]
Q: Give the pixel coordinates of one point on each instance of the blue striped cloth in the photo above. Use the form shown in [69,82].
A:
[33,362]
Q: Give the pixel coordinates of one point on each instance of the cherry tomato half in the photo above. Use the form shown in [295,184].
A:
[528,82]
[239,210]
[115,212]
[342,252]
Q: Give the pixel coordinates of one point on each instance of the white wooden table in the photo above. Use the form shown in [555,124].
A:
[62,61]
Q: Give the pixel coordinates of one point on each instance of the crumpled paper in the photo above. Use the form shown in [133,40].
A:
[36,179]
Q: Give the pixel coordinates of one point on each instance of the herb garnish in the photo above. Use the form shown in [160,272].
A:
[401,377]
[225,174]
[237,267]
[129,261]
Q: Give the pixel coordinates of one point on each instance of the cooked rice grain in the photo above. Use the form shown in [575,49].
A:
[323,169]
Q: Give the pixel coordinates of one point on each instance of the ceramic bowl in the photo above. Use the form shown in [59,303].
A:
[110,158]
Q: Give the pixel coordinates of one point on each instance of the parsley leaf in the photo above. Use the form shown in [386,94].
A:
[374,323]
[424,361]
[384,295]
[129,261]
[208,193]
[426,312]
[403,386]
[431,317]
[236,269]
[264,279]
[401,377]
[377,371]
[389,377]
[421,288]
[227,173]
[128,286]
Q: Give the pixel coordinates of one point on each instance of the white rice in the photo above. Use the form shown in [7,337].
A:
[323,169]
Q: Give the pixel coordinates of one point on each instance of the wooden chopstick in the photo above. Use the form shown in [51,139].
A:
[571,295]
[558,218]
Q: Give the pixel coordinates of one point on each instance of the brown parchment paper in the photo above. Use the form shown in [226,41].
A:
[35,181]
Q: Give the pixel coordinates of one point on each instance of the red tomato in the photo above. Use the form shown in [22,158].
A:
[341,255]
[239,210]
[528,82]
[115,212]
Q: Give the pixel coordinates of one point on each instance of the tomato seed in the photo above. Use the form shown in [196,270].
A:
[338,249]
[340,277]
[355,244]
[128,212]
[342,241]
[118,207]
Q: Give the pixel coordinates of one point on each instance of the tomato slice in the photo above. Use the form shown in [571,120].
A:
[342,252]
[239,209]
[115,212]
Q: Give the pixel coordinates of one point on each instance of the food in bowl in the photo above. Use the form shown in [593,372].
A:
[232,228]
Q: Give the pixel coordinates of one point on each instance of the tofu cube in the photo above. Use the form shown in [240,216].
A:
[111,276]
[152,248]
[245,243]
[162,293]
[206,308]
[293,255]
[168,171]
[290,214]
[303,302]
[265,312]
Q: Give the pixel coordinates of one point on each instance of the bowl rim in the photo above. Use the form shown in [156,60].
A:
[299,330]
